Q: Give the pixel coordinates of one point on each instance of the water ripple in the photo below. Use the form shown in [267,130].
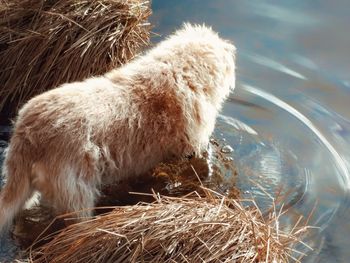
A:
[283,105]
[267,62]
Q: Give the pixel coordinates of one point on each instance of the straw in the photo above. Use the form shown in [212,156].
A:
[44,43]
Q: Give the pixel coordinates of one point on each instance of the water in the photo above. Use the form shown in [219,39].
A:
[288,120]
[287,125]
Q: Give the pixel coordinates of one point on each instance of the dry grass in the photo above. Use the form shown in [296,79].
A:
[210,228]
[44,43]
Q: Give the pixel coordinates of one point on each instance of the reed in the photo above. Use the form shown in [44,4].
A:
[44,43]
[193,228]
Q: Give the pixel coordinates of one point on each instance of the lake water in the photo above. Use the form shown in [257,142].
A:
[288,120]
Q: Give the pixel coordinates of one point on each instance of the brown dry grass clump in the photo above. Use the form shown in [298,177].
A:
[210,228]
[44,43]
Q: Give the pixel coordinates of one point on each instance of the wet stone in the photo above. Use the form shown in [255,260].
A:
[228,159]
[227,149]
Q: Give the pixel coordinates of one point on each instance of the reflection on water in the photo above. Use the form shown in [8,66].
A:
[289,119]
